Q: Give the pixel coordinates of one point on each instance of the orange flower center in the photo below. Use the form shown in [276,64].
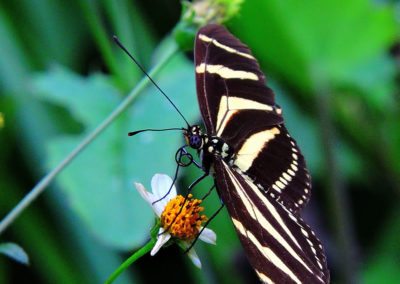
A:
[187,224]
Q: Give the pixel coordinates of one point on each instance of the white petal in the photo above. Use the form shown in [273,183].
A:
[162,239]
[208,236]
[160,185]
[194,257]
[157,207]
[148,196]
[191,253]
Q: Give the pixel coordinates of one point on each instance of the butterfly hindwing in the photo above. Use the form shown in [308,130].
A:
[280,246]
[279,170]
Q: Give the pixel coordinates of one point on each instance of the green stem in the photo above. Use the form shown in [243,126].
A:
[138,254]
[92,15]
[45,181]
[335,188]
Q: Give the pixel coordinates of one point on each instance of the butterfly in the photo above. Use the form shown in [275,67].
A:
[258,169]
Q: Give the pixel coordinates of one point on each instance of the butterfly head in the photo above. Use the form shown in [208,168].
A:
[194,137]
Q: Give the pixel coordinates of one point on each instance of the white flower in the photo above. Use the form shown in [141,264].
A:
[174,226]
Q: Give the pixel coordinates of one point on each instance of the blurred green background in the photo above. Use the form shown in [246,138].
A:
[334,66]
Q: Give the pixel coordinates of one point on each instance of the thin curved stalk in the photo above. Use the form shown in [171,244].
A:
[335,188]
[100,36]
[138,254]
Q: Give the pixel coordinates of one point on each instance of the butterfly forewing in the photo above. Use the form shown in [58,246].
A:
[221,60]
[265,182]
[237,106]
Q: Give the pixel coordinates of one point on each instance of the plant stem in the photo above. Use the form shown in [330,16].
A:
[45,181]
[92,14]
[335,189]
[142,251]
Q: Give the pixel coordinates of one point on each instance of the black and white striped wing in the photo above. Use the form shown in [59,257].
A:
[265,183]
[280,246]
[237,106]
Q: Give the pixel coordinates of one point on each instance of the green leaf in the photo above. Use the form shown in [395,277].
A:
[328,37]
[382,264]
[14,252]
[99,183]
[333,48]
[301,128]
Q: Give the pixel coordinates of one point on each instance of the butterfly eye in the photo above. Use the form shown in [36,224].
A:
[195,141]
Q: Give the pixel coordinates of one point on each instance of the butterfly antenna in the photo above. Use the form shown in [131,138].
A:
[116,40]
[151,129]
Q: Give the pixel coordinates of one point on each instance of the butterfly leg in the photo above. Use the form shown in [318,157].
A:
[203,176]
[205,226]
[208,193]
[184,159]
[178,157]
[188,193]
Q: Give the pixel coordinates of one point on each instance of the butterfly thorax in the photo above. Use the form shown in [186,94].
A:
[208,145]
[216,146]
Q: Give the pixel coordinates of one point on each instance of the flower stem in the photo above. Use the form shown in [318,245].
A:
[348,271]
[92,15]
[45,181]
[138,254]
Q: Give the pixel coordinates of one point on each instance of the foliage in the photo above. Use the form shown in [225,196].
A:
[15,252]
[61,75]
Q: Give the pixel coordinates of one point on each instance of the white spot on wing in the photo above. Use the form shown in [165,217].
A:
[287,177]
[283,180]
[279,184]
[276,188]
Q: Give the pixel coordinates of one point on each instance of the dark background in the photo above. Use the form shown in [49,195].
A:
[333,66]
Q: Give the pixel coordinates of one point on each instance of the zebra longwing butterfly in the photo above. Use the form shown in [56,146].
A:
[258,169]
